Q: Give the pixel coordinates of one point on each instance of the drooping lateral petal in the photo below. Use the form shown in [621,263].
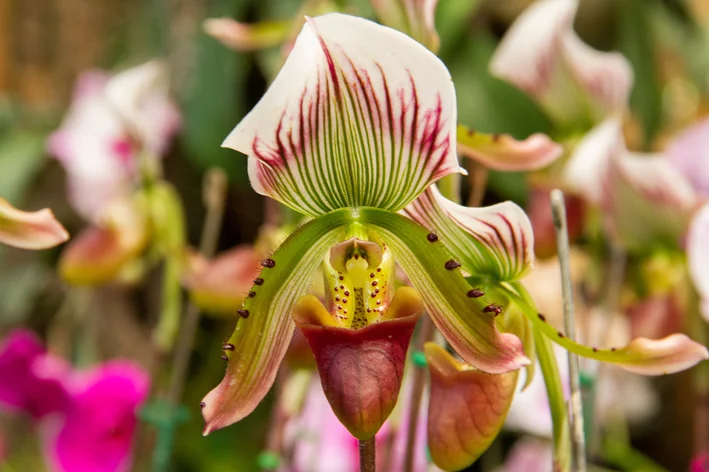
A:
[650,200]
[465,321]
[247,37]
[360,115]
[495,241]
[261,337]
[505,153]
[668,355]
[30,230]
[466,409]
[698,255]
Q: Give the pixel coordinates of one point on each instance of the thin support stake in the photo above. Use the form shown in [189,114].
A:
[578,441]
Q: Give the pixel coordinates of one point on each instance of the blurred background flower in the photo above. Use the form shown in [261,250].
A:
[112,113]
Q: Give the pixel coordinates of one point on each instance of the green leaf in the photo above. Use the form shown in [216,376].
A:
[262,334]
[467,322]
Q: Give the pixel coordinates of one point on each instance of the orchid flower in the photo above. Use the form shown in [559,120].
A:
[477,235]
[116,130]
[111,122]
[350,133]
[575,84]
[87,419]
[30,230]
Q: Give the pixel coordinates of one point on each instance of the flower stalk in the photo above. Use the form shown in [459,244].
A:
[367,455]
[578,440]
[214,192]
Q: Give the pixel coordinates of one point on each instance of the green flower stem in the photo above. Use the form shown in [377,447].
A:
[578,440]
[557,405]
[478,177]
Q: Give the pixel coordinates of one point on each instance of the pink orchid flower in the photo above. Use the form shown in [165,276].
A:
[112,120]
[86,419]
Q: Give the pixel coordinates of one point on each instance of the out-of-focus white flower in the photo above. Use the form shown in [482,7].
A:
[111,121]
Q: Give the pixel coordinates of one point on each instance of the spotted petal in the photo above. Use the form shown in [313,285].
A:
[360,115]
[495,241]
[505,153]
[541,54]
[30,230]
[466,320]
[261,337]
[698,255]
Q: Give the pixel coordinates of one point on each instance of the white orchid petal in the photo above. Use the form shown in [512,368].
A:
[360,115]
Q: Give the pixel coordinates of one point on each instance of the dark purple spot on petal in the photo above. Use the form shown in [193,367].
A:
[268,263]
[452,264]
[475,293]
[432,237]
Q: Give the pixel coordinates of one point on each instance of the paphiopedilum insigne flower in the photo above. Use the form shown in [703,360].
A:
[358,123]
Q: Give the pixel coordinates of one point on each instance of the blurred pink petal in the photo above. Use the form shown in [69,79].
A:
[97,433]
[220,285]
[111,121]
[575,84]
[247,37]
[587,168]
[505,153]
[698,255]
[30,230]
[689,152]
[700,463]
[28,381]
[649,200]
[529,455]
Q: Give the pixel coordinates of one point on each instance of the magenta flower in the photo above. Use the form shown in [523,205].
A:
[86,419]
[23,385]
[99,422]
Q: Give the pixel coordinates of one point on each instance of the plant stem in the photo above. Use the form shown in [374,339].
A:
[478,176]
[555,395]
[367,456]
[578,440]
[419,381]
[214,192]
